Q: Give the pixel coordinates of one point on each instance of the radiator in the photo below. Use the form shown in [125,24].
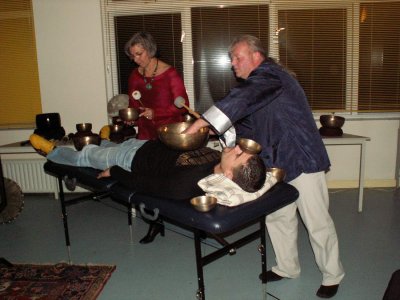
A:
[29,175]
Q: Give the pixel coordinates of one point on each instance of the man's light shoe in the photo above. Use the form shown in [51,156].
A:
[41,145]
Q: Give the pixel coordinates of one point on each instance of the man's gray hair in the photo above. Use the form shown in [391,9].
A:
[253,43]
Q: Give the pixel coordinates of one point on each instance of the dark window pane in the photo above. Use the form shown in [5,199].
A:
[213,28]
[166,30]
[379,72]
[312,43]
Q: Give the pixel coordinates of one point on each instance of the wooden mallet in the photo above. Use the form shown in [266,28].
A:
[137,95]
[180,102]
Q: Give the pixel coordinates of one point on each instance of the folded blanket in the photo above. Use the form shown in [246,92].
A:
[229,193]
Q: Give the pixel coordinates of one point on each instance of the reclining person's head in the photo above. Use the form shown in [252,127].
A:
[246,170]
[251,175]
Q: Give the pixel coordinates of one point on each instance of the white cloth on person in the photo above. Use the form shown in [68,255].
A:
[228,193]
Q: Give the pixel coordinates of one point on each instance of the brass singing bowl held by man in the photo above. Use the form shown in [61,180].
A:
[172,136]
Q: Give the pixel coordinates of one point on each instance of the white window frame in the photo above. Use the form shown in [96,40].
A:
[110,9]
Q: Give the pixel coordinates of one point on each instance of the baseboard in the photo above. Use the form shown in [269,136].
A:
[349,184]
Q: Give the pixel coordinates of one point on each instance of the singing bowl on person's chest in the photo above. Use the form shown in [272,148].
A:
[172,136]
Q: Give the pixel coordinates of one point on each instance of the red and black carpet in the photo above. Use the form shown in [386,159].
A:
[48,282]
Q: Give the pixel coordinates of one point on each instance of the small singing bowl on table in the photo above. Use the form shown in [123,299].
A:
[249,146]
[82,141]
[84,127]
[172,136]
[203,203]
[129,114]
[331,121]
[278,173]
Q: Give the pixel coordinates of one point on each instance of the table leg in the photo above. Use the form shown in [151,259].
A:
[397,170]
[64,217]
[199,264]
[3,195]
[361,177]
[262,250]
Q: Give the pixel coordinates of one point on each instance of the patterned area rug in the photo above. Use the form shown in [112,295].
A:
[48,282]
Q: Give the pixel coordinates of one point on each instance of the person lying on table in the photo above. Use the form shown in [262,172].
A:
[153,169]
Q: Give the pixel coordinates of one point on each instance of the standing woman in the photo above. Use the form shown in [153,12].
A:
[159,85]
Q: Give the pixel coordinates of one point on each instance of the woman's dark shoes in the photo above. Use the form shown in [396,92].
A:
[154,229]
[270,276]
[327,291]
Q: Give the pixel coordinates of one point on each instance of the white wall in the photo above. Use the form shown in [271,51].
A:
[72,82]
[70,58]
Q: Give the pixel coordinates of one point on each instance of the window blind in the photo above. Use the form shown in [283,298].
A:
[19,79]
[345,53]
[379,69]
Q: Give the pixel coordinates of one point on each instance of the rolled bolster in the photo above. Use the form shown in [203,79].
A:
[217,119]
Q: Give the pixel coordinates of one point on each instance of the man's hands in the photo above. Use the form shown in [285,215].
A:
[199,123]
[105,173]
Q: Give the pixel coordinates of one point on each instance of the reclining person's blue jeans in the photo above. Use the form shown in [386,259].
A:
[101,157]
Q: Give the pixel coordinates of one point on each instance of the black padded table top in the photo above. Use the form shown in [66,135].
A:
[87,177]
[219,220]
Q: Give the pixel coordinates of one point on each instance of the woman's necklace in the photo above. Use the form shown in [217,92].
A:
[149,85]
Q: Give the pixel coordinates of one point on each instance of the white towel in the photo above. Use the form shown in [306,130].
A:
[229,193]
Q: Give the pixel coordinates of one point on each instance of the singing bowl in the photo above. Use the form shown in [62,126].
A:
[84,127]
[129,114]
[189,118]
[48,121]
[204,203]
[117,120]
[82,141]
[171,136]
[249,146]
[331,121]
[278,173]
[116,128]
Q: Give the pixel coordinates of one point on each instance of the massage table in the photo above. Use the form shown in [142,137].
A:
[217,224]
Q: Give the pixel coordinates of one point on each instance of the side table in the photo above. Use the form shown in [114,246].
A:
[350,139]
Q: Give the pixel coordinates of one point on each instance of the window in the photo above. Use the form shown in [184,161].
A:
[345,53]
[212,31]
[19,79]
[312,44]
[166,30]
[379,71]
